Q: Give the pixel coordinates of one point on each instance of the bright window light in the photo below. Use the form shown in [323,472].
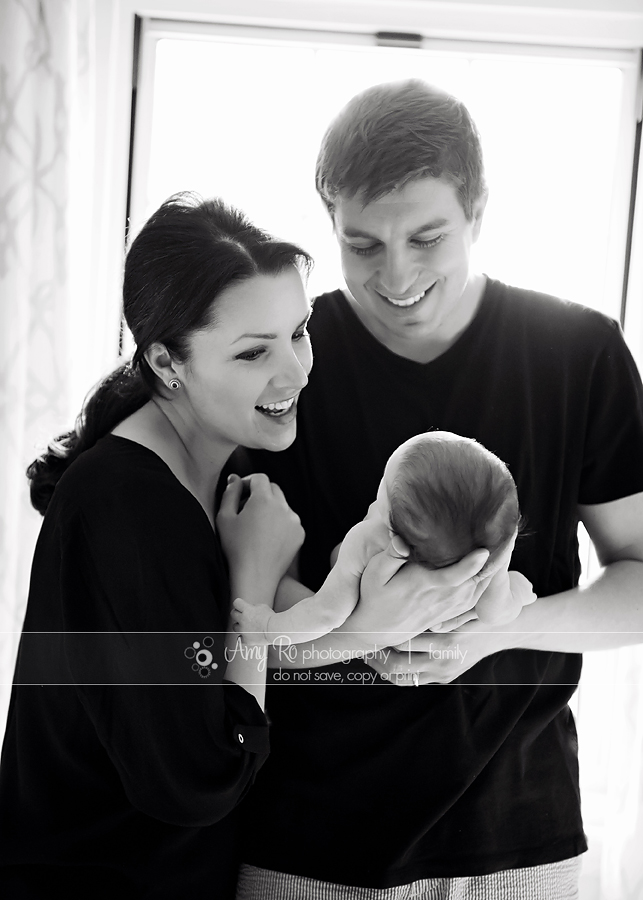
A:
[243,119]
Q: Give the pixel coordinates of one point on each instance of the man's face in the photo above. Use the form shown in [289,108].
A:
[405,259]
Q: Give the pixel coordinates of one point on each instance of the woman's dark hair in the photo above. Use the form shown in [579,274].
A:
[187,252]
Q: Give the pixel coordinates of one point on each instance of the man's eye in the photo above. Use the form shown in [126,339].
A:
[251,355]
[431,243]
[364,251]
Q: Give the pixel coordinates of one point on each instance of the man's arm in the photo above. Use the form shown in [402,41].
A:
[608,612]
[601,615]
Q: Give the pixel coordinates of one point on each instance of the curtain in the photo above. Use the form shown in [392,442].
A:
[609,712]
[45,167]
[621,860]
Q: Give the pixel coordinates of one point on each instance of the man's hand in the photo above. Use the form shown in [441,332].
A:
[441,658]
[502,600]
[399,600]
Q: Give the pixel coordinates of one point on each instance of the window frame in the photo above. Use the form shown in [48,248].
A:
[153,30]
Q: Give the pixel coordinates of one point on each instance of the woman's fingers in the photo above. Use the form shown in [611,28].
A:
[277,493]
[230,500]
[259,484]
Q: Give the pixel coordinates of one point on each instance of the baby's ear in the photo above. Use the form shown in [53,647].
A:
[398,545]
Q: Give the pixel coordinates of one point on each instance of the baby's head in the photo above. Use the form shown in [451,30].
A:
[446,495]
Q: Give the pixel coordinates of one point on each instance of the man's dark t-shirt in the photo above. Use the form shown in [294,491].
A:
[384,785]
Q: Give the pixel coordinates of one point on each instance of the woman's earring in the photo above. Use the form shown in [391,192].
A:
[174,384]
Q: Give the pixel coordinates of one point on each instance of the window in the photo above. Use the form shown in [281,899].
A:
[239,112]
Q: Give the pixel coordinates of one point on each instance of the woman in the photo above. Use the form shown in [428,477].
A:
[133,732]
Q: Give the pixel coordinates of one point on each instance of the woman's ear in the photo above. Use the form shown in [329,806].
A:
[161,363]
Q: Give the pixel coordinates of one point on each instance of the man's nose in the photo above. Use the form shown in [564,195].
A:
[397,275]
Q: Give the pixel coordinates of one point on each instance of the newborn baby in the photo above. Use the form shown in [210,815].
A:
[444,495]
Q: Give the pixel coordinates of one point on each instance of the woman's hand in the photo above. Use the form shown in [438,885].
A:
[399,600]
[440,658]
[262,538]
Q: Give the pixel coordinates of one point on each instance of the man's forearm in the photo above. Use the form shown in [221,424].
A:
[602,615]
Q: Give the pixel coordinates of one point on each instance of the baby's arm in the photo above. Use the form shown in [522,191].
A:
[325,610]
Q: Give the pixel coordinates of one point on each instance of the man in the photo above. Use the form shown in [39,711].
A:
[467,787]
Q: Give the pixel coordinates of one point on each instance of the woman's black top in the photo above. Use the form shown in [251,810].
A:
[126,752]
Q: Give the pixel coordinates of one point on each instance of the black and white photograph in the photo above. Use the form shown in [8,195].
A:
[321,415]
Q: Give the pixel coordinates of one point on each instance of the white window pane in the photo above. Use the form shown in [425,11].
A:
[550,133]
[244,120]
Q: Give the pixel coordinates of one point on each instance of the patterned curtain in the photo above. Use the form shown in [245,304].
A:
[45,76]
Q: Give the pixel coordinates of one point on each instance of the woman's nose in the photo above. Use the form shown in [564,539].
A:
[293,375]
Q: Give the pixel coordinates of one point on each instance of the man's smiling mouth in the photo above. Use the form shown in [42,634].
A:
[407,301]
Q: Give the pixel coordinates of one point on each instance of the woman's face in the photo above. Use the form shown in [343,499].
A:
[245,372]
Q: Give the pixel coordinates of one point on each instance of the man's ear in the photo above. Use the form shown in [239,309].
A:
[478,212]
[160,362]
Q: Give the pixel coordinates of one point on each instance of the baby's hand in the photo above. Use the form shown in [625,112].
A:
[251,621]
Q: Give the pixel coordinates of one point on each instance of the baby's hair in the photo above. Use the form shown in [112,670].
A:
[450,496]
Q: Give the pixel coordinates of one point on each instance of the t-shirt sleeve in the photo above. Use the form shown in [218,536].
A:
[613,464]
[145,604]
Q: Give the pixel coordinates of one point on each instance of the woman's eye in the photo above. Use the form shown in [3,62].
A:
[298,335]
[251,355]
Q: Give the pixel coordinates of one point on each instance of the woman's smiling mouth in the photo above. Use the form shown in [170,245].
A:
[275,410]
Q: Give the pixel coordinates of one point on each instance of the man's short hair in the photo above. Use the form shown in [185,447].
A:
[394,133]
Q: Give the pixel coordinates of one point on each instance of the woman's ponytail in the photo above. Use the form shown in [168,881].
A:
[115,398]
